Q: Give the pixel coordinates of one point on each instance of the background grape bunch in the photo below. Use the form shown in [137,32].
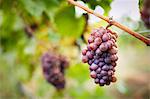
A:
[100,54]
[53,69]
[145,13]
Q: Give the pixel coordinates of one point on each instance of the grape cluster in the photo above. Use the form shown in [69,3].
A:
[145,13]
[100,54]
[53,69]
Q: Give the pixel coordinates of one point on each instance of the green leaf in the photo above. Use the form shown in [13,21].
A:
[140,4]
[67,24]
[105,4]
[51,3]
[35,8]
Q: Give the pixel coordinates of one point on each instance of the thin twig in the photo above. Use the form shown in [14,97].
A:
[137,35]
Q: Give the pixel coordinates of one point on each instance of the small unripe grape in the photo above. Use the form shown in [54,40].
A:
[114,79]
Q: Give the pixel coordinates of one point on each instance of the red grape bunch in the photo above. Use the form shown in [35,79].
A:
[53,69]
[100,54]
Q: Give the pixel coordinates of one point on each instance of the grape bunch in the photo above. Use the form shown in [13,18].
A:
[100,54]
[53,69]
[145,13]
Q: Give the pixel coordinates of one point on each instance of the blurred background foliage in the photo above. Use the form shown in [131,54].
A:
[29,28]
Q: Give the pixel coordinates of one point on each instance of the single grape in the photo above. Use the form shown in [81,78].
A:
[98,41]
[84,59]
[103,47]
[105,37]
[98,70]
[90,39]
[89,55]
[84,52]
[93,74]
[105,67]
[93,66]
[96,80]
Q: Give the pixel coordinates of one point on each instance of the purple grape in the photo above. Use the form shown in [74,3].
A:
[98,51]
[103,47]
[107,60]
[102,81]
[101,64]
[98,41]
[96,61]
[89,55]
[103,72]
[105,37]
[98,70]
[93,66]
[90,62]
[105,78]
[99,76]
[105,67]
[101,59]
[96,80]
[90,39]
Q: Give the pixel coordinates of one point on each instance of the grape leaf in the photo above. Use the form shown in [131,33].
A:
[105,4]
[67,24]
[35,8]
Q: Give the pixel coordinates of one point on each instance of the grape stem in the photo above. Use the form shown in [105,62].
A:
[135,34]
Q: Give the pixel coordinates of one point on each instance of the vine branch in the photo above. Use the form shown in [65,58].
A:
[135,34]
